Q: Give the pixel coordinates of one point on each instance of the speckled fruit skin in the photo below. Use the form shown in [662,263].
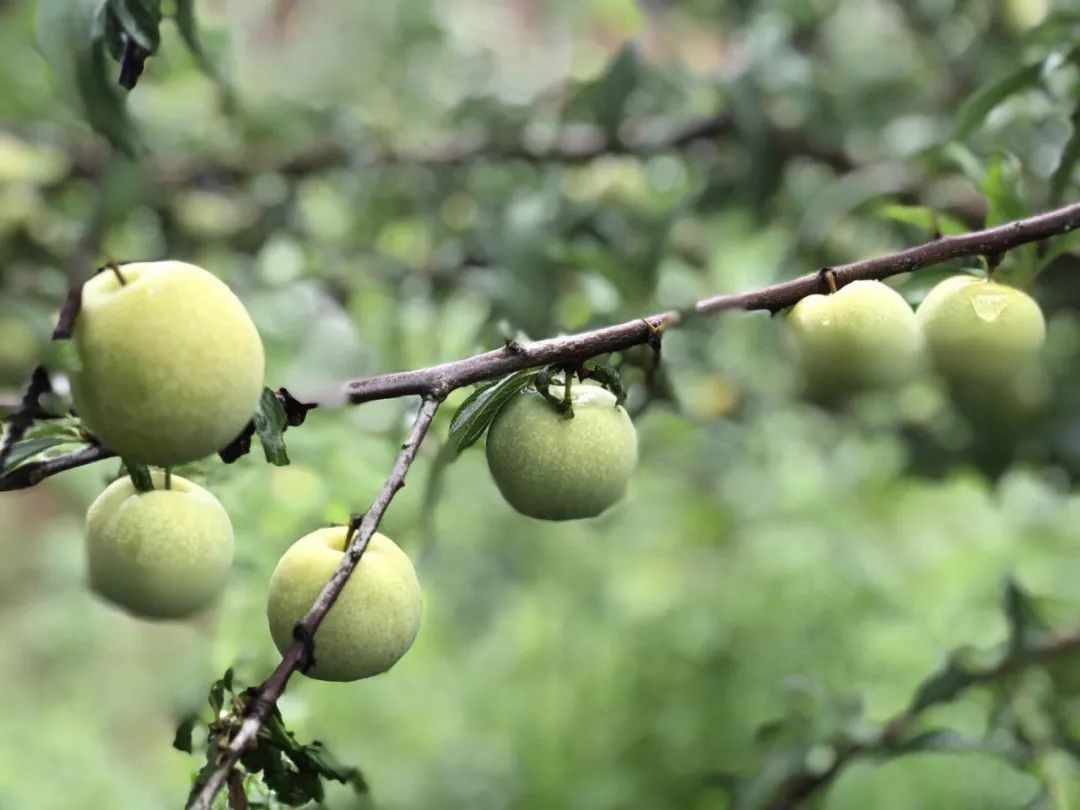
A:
[980,331]
[375,618]
[554,468]
[163,554]
[862,337]
[172,366]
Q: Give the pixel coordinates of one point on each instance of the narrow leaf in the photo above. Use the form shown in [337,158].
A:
[182,739]
[270,424]
[979,104]
[1069,157]
[477,412]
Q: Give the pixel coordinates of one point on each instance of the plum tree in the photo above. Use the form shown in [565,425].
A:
[160,554]
[981,332]
[862,337]
[551,467]
[375,618]
[171,364]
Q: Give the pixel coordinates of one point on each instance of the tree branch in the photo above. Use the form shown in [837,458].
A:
[575,348]
[568,349]
[296,657]
[792,793]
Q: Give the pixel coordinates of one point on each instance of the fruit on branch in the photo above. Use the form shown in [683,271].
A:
[172,366]
[375,618]
[552,467]
[981,332]
[862,337]
[163,554]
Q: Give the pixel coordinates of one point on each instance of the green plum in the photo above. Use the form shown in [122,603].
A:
[172,365]
[551,467]
[981,332]
[862,337]
[163,554]
[375,619]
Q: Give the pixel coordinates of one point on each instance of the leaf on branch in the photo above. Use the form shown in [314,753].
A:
[477,412]
[182,738]
[1026,626]
[73,38]
[1069,157]
[270,423]
[922,217]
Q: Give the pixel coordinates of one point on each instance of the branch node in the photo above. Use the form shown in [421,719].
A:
[307,638]
[829,277]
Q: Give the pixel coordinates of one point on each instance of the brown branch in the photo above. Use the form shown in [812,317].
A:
[568,349]
[575,348]
[295,658]
[792,793]
[33,473]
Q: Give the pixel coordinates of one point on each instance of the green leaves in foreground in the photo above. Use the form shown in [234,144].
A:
[270,423]
[292,772]
[476,413]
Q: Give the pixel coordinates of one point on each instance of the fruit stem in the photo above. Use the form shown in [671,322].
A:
[168,478]
[115,268]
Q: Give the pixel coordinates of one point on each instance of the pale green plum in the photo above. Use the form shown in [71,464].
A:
[981,332]
[161,554]
[862,337]
[172,365]
[374,620]
[551,467]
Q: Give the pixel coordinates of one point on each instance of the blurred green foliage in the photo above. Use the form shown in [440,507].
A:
[369,177]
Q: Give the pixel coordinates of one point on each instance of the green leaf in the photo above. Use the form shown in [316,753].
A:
[922,217]
[1025,623]
[28,449]
[1069,157]
[140,20]
[72,37]
[182,738]
[270,425]
[216,697]
[140,476]
[979,104]
[476,413]
[613,89]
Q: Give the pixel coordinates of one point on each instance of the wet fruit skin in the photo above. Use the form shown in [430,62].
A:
[862,337]
[163,554]
[553,468]
[172,366]
[375,619]
[981,332]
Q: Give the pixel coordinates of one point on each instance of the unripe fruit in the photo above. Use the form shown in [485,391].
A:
[551,467]
[862,337]
[172,366]
[375,618]
[163,554]
[981,332]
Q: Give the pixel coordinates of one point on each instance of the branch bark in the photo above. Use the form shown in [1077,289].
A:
[297,656]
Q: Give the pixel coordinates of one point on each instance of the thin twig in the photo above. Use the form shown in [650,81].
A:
[296,656]
[28,475]
[792,793]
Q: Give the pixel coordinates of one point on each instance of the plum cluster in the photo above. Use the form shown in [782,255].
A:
[171,369]
[981,336]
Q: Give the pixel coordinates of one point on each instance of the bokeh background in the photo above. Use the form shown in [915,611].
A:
[391,185]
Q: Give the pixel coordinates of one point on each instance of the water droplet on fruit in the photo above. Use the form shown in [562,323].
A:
[989,306]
